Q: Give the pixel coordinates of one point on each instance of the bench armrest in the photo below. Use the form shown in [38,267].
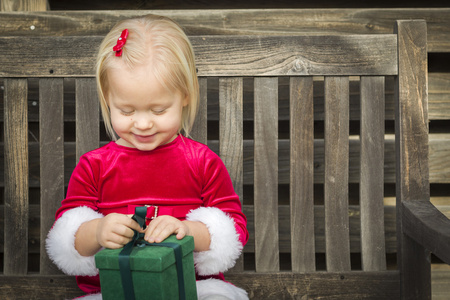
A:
[429,227]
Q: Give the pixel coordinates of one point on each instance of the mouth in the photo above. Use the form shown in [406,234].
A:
[144,138]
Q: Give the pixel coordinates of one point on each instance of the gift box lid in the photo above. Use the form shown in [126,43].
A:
[145,258]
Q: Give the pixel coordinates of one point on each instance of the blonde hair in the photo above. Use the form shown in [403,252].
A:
[172,59]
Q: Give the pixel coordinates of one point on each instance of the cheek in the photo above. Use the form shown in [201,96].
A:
[172,120]
[119,121]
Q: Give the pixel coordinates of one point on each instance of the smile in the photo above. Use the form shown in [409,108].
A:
[144,138]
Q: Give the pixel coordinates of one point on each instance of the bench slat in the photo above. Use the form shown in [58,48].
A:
[266,174]
[231,132]
[319,285]
[336,173]
[87,116]
[200,129]
[16,181]
[238,21]
[351,285]
[302,174]
[51,136]
[371,174]
[230,55]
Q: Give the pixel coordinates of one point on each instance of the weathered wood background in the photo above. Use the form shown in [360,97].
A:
[94,18]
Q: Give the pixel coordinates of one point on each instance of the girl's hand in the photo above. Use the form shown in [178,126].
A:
[116,230]
[163,226]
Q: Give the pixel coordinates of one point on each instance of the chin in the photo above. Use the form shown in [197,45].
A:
[146,147]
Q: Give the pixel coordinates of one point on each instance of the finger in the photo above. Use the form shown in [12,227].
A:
[132,224]
[164,233]
[181,233]
[123,230]
[154,228]
[153,233]
[116,241]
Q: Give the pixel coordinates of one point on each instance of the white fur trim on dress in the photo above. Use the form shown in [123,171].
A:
[60,243]
[225,247]
[97,296]
[219,289]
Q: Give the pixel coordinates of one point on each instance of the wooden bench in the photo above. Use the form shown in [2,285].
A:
[304,230]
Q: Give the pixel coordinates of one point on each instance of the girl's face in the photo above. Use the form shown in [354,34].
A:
[144,114]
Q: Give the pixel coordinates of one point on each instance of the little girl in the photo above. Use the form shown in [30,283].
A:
[148,92]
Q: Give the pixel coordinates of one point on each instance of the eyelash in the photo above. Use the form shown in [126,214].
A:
[126,113]
[156,112]
[159,112]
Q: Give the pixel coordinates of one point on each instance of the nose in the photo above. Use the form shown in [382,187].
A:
[143,121]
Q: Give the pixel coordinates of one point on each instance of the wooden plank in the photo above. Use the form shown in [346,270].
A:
[372,177]
[238,22]
[16,181]
[439,164]
[382,283]
[319,285]
[87,115]
[439,283]
[336,173]
[266,175]
[200,129]
[438,96]
[297,55]
[231,135]
[412,152]
[51,135]
[302,174]
[24,5]
[230,56]
[231,130]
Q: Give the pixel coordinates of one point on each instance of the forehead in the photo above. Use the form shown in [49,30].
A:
[137,86]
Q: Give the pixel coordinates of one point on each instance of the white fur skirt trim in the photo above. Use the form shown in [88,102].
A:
[60,242]
[225,247]
[97,296]
[218,289]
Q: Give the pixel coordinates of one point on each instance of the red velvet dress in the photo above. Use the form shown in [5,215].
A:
[177,177]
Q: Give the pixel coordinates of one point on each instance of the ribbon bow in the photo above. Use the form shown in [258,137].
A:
[121,42]
[124,257]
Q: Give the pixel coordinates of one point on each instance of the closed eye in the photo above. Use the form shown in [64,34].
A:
[126,112]
[159,111]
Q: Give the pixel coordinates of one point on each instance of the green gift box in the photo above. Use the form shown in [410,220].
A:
[154,270]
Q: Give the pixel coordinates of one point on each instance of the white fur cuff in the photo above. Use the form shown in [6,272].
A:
[225,246]
[60,243]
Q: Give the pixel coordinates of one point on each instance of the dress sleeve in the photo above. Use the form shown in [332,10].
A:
[82,189]
[222,214]
[78,207]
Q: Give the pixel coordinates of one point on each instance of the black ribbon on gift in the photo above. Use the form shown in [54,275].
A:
[138,240]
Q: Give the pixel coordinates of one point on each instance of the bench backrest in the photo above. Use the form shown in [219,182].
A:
[276,109]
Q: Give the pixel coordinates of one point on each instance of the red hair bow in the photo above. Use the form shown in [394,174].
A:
[121,42]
